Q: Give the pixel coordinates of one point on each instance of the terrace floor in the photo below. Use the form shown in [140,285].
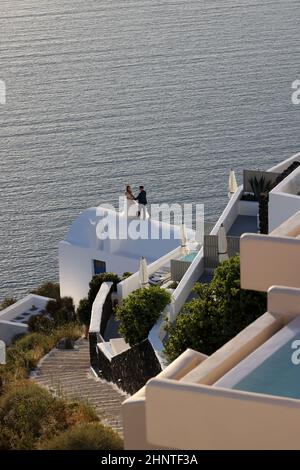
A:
[243,224]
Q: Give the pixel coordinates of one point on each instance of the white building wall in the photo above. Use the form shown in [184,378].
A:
[76,268]
[281,207]
[9,327]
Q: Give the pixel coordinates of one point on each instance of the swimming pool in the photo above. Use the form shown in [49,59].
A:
[270,368]
[190,257]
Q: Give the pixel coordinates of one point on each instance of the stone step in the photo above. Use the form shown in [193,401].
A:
[68,373]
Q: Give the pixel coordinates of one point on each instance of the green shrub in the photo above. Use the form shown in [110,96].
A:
[79,412]
[260,186]
[40,323]
[220,312]
[33,340]
[91,436]
[7,302]
[69,330]
[196,327]
[237,307]
[61,310]
[48,289]
[140,311]
[29,413]
[173,285]
[58,313]
[84,312]
[97,281]
[26,352]
[85,305]
[126,275]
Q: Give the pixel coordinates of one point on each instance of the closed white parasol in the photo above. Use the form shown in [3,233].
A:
[184,239]
[143,272]
[222,244]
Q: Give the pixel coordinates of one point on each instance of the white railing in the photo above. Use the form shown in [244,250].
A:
[230,212]
[97,308]
[186,285]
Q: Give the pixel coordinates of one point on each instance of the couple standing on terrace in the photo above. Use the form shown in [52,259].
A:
[136,206]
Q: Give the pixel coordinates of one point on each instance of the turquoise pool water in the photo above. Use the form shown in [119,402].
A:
[277,375]
[190,257]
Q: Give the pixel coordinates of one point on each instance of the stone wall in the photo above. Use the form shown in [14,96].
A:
[129,370]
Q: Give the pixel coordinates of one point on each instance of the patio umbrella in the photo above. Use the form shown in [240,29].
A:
[232,184]
[222,244]
[184,239]
[143,272]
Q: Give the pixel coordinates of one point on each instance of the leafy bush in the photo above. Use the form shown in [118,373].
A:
[7,302]
[58,313]
[29,415]
[221,311]
[79,412]
[40,323]
[93,436]
[126,275]
[140,311]
[85,305]
[260,186]
[173,285]
[31,418]
[48,289]
[84,310]
[97,281]
[61,311]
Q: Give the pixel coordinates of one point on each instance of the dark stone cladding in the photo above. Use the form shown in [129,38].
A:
[107,311]
[129,370]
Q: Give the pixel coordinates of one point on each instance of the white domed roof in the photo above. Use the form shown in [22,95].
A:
[113,232]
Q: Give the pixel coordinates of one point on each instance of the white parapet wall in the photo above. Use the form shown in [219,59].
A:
[230,213]
[186,285]
[193,416]
[97,307]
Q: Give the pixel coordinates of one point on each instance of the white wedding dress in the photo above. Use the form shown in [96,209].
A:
[131,207]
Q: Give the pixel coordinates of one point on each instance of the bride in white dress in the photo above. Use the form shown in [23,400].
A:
[131,206]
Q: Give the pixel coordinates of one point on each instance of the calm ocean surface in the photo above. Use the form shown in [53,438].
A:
[104,92]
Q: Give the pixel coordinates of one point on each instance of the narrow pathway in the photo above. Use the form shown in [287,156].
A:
[67,373]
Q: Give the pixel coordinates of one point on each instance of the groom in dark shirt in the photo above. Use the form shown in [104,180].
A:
[142,200]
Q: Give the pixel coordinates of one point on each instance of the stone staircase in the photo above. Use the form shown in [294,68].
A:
[67,373]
